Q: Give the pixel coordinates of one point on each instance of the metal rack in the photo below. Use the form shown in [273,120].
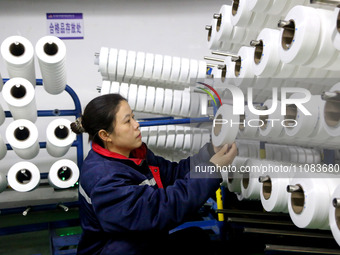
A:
[55,113]
[64,220]
[78,143]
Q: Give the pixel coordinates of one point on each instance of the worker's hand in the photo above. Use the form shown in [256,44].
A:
[217,149]
[225,155]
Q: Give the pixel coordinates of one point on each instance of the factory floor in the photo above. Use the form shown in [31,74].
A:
[38,243]
[25,243]
[31,234]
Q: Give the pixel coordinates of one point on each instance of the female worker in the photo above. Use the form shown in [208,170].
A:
[129,197]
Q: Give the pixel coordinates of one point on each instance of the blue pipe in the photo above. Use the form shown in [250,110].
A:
[174,121]
[157,118]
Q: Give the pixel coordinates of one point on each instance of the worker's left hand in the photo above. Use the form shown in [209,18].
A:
[217,149]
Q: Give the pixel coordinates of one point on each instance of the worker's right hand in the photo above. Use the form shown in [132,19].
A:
[225,155]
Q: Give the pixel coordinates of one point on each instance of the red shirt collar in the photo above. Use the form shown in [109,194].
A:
[137,155]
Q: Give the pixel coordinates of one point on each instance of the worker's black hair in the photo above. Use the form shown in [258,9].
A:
[100,113]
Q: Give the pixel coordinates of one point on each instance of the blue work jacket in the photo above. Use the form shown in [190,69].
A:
[128,205]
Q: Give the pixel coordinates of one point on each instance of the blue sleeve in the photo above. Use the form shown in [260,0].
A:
[171,171]
[123,207]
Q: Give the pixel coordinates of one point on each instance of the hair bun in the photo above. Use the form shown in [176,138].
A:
[77,126]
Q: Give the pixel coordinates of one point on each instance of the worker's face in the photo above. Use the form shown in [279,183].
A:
[126,135]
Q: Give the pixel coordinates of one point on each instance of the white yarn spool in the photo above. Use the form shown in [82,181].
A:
[159,100]
[111,65]
[267,62]
[179,138]
[167,65]
[3,148]
[186,101]
[194,108]
[285,154]
[158,67]
[196,140]
[194,105]
[148,70]
[168,99]
[115,86]
[105,89]
[171,135]
[226,32]
[150,99]
[22,135]
[258,5]
[233,179]
[305,124]
[141,96]
[243,69]
[330,113]
[203,104]
[18,53]
[140,66]
[63,174]
[184,72]
[274,195]
[224,28]
[145,134]
[23,176]
[161,136]
[272,127]
[193,71]
[59,137]
[121,64]
[334,214]
[299,42]
[309,156]
[130,66]
[309,206]
[250,129]
[213,43]
[187,141]
[242,148]
[124,90]
[278,7]
[175,69]
[293,154]
[327,56]
[202,70]
[269,151]
[317,156]
[336,28]
[301,155]
[177,102]
[104,62]
[253,148]
[224,129]
[243,17]
[307,40]
[19,95]
[250,186]
[153,135]
[51,53]
[132,98]
[217,82]
[229,72]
